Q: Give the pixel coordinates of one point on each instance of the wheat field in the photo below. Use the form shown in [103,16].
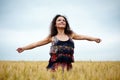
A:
[82,70]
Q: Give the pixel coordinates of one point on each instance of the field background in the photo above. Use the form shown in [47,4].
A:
[82,70]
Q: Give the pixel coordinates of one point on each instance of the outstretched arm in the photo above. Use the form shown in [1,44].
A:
[84,37]
[35,44]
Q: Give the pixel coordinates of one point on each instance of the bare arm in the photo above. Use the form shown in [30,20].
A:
[85,37]
[35,44]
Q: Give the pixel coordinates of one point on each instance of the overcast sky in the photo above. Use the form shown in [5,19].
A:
[26,21]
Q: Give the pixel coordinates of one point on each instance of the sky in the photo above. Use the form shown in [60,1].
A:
[23,22]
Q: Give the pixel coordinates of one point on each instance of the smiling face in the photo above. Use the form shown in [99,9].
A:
[60,22]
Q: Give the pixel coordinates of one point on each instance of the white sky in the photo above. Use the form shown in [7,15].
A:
[26,21]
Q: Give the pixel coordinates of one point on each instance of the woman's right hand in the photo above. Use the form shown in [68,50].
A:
[20,50]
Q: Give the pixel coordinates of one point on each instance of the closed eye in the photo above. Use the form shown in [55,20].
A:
[61,20]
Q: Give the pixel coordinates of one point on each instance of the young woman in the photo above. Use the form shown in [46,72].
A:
[62,48]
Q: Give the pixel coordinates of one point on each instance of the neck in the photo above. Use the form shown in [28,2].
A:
[61,31]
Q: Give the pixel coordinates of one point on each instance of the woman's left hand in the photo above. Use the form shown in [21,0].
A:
[97,40]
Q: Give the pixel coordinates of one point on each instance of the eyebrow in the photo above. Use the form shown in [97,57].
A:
[62,19]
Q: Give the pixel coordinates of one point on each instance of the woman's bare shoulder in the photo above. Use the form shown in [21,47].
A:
[48,39]
[52,38]
[72,35]
[76,36]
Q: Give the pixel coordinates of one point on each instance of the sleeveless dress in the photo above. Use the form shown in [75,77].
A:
[61,54]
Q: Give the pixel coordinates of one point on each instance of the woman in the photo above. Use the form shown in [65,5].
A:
[62,48]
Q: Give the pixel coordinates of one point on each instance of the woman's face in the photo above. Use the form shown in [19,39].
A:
[60,22]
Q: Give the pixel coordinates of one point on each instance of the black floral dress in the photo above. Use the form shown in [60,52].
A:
[61,54]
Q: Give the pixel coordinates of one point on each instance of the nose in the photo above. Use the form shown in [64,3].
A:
[62,21]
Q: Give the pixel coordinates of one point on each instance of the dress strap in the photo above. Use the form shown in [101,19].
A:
[55,40]
[53,48]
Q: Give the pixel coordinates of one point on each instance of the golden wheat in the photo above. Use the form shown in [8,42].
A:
[31,70]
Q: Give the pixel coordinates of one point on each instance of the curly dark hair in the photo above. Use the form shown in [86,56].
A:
[53,29]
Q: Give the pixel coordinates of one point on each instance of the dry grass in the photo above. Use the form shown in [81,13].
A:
[26,70]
